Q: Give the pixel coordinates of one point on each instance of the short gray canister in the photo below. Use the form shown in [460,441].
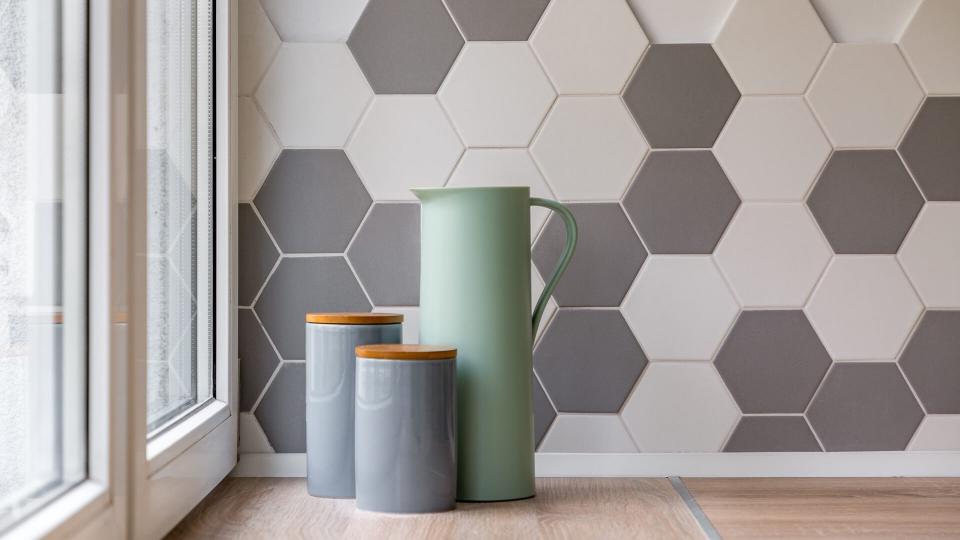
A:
[406,428]
[331,374]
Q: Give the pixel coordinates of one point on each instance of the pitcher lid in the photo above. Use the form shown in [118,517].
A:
[354,318]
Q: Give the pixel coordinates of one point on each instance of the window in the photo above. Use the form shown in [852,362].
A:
[43,363]
[179,210]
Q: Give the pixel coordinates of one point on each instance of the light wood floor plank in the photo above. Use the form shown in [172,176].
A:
[835,508]
[565,508]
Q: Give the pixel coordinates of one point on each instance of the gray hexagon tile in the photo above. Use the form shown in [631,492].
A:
[302,285]
[681,96]
[543,412]
[405,47]
[312,201]
[931,148]
[931,361]
[386,254]
[497,20]
[282,412]
[313,94]
[313,20]
[256,255]
[258,360]
[588,360]
[606,260]
[772,361]
[772,47]
[865,95]
[865,201]
[573,37]
[772,434]
[496,94]
[863,308]
[681,202]
[864,406]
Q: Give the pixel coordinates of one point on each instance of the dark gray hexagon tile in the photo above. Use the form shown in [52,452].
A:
[931,148]
[681,202]
[282,412]
[864,201]
[405,47]
[931,361]
[772,361]
[256,254]
[681,96]
[543,413]
[588,360]
[312,201]
[606,260]
[497,20]
[772,434]
[386,254]
[864,406]
[258,360]
[304,285]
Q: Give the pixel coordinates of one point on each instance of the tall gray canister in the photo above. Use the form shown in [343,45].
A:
[331,378]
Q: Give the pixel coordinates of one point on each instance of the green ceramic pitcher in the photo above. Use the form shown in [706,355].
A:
[475,295]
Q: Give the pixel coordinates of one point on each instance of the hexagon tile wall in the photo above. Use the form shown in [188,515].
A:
[768,192]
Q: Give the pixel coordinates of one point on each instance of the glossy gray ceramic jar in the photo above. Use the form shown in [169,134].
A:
[331,375]
[406,448]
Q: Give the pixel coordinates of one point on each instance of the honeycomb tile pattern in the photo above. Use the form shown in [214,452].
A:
[818,314]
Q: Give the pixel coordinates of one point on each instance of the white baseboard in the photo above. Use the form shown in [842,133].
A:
[813,464]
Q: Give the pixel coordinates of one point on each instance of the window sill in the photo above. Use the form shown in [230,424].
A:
[179,438]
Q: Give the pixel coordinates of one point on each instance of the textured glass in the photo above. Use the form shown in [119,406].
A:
[178,206]
[42,276]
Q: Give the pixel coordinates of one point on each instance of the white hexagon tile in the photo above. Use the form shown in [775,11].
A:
[402,142]
[588,47]
[767,194]
[864,308]
[588,148]
[313,94]
[680,308]
[496,94]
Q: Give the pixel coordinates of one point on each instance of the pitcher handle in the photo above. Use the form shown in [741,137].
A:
[569,245]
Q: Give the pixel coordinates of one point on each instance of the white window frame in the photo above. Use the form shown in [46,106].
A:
[136,489]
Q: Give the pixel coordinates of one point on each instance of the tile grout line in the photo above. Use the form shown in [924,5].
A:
[691,503]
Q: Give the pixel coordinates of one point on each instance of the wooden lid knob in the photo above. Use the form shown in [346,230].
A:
[406,352]
[354,318]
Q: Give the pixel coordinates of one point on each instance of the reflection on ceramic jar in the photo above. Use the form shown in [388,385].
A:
[406,428]
[331,340]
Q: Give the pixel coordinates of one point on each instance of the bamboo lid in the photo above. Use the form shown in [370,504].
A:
[354,318]
[406,352]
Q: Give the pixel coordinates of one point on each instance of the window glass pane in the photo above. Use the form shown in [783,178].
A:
[42,253]
[179,189]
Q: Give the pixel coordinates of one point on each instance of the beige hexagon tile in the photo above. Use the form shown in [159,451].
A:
[681,21]
[589,148]
[258,149]
[252,438]
[866,21]
[930,255]
[680,308]
[680,407]
[937,432]
[588,47]
[314,20]
[864,308]
[772,254]
[404,141]
[772,46]
[932,44]
[313,94]
[411,320]
[504,167]
[772,148]
[496,94]
[590,433]
[536,288]
[257,43]
[865,95]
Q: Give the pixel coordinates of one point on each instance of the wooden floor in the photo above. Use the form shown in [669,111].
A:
[612,508]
